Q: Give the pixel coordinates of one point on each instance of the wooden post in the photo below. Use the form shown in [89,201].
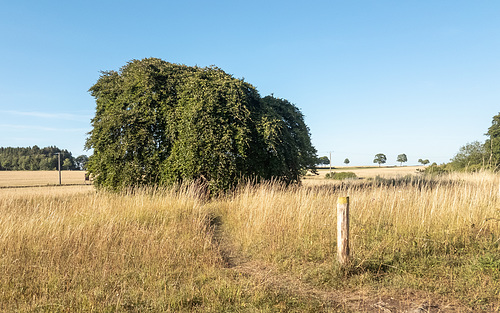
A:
[343,230]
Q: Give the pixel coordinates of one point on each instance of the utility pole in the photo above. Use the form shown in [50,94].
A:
[330,163]
[59,165]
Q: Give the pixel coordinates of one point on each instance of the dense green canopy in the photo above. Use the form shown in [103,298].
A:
[161,123]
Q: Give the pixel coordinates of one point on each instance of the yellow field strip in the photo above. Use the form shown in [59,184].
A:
[365,172]
[40,178]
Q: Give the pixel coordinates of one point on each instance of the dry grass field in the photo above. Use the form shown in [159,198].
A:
[40,191]
[370,171]
[40,178]
[43,178]
[425,244]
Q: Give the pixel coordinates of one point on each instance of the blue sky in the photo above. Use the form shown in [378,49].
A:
[414,77]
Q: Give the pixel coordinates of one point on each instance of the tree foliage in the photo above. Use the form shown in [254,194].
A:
[162,123]
[35,158]
[402,158]
[424,162]
[324,160]
[472,156]
[81,161]
[380,158]
[492,144]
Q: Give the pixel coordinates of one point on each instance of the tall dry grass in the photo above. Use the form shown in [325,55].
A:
[436,234]
[169,250]
[103,252]
[400,207]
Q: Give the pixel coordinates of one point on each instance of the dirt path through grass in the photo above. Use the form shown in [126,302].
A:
[265,274]
[349,301]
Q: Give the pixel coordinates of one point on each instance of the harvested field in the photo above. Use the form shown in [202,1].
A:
[369,171]
[40,178]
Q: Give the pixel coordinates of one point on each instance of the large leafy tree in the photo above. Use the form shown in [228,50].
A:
[160,123]
[214,133]
[133,127]
[289,148]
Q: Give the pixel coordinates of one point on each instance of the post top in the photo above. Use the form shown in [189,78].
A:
[343,200]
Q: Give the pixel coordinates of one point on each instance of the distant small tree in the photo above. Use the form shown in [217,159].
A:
[380,159]
[402,158]
[324,160]
[81,161]
[346,161]
[424,162]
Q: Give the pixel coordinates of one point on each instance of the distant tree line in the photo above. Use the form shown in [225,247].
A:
[35,158]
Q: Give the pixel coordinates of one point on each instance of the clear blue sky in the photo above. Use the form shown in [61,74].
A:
[414,77]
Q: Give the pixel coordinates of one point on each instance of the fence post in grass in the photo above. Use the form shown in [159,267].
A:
[343,230]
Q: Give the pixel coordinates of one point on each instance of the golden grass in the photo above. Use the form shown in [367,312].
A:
[436,205]
[370,171]
[45,191]
[78,250]
[41,178]
[95,251]
[38,178]
[432,234]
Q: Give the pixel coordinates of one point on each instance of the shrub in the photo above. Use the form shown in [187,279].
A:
[341,175]
[435,169]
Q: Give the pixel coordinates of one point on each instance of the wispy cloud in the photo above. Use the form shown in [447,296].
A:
[60,116]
